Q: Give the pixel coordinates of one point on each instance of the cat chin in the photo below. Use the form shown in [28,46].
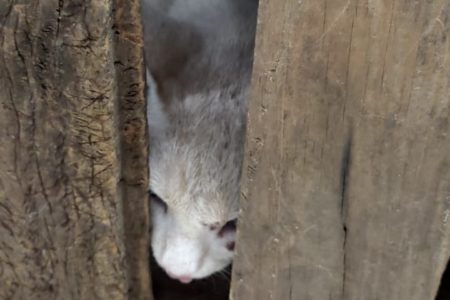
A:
[202,274]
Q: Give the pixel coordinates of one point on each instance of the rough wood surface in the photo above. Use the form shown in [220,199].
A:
[129,64]
[64,220]
[346,184]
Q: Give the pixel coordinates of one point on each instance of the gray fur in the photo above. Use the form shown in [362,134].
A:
[199,53]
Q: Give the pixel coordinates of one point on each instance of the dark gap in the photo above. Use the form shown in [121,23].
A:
[444,287]
[215,287]
[345,170]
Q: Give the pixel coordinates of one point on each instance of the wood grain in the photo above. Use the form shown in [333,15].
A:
[65,230]
[346,184]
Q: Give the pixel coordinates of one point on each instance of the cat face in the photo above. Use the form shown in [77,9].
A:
[184,245]
[200,55]
[194,204]
[195,163]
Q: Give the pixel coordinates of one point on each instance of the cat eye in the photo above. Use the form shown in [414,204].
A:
[229,227]
[158,201]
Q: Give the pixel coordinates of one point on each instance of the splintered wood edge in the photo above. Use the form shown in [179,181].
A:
[133,146]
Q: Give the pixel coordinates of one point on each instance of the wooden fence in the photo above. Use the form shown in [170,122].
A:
[73,155]
[346,182]
[346,192]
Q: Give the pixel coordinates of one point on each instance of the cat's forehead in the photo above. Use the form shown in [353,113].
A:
[181,175]
[195,200]
[207,207]
[191,180]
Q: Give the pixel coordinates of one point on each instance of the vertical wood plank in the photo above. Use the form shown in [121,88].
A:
[291,235]
[399,181]
[346,184]
[63,226]
[133,155]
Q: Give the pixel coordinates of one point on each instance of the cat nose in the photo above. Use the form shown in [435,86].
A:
[185,279]
[181,278]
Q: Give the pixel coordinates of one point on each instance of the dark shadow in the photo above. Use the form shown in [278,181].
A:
[215,287]
[444,288]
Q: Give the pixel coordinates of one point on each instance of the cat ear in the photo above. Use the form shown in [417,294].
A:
[157,117]
[169,46]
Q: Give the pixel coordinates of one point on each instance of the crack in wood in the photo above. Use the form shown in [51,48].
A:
[345,172]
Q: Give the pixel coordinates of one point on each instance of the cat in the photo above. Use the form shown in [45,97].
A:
[199,56]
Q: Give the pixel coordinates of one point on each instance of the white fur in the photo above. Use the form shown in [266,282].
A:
[156,118]
[196,142]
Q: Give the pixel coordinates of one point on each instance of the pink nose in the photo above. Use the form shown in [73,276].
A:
[185,279]
[181,278]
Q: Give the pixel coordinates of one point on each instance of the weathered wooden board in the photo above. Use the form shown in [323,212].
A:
[129,62]
[67,230]
[346,184]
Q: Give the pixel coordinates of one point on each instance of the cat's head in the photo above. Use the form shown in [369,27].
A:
[195,159]
[196,116]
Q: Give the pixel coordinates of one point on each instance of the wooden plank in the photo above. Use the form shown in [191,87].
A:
[129,63]
[62,220]
[346,184]
[399,191]
[290,233]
